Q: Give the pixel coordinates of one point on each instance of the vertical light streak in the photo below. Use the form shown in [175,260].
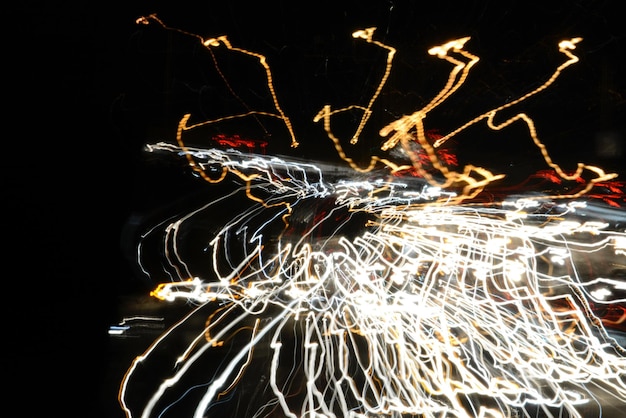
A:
[390,298]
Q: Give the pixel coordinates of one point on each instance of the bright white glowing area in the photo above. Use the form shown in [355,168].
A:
[601,294]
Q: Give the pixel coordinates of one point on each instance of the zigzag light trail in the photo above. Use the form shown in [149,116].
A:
[401,297]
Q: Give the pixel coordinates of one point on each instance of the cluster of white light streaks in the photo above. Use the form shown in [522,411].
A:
[427,310]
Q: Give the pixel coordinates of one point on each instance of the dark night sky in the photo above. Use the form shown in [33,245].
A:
[90,87]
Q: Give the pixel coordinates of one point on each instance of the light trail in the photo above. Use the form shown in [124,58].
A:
[376,295]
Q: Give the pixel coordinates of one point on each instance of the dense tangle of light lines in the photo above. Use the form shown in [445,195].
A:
[371,295]
[436,304]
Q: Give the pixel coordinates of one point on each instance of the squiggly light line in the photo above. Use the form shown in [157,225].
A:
[412,304]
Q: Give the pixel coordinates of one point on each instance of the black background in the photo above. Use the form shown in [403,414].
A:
[88,88]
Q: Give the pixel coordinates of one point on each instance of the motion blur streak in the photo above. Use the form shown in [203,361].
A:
[380,295]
